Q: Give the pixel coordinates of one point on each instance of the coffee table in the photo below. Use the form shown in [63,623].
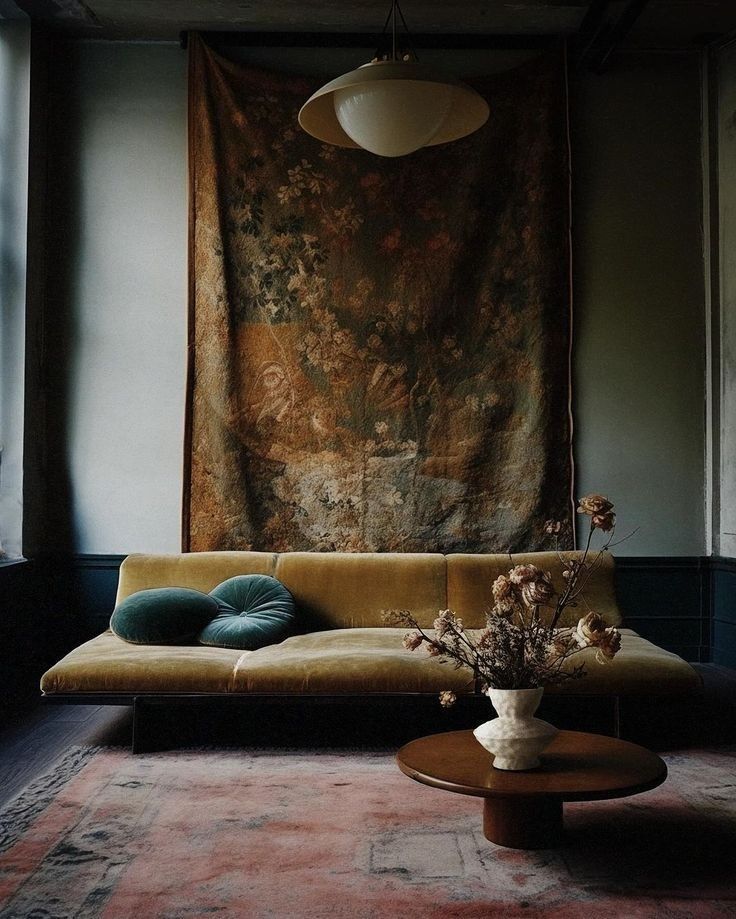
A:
[523,810]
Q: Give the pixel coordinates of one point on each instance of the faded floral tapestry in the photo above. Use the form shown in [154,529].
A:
[379,348]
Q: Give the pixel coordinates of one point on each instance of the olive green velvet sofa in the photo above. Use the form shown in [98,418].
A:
[343,648]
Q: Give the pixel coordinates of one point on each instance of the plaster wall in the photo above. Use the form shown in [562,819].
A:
[639,298]
[115,302]
[723,318]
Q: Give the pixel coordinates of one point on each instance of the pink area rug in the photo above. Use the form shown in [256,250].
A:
[233,833]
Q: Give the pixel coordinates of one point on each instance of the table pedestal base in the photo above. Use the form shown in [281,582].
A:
[523,823]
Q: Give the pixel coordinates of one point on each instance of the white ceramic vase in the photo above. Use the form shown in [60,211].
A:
[516,737]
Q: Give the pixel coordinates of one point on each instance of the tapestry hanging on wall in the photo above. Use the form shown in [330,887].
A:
[379,348]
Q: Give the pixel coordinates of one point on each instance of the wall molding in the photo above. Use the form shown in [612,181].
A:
[722,563]
[661,561]
[96,561]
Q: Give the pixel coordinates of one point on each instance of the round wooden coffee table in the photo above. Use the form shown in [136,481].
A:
[523,810]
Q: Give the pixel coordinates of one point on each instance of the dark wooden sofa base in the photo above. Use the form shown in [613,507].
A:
[163,720]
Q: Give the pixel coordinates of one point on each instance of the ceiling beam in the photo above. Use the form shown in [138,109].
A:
[599,37]
[372,39]
[52,11]
[593,24]
[620,30]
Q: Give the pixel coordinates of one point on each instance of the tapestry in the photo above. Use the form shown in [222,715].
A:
[379,348]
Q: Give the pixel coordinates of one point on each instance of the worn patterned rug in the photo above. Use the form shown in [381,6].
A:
[234,833]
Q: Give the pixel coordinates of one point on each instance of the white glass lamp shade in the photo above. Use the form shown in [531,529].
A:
[393,108]
[393,117]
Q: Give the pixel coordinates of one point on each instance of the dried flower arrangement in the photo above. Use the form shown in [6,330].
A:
[519,649]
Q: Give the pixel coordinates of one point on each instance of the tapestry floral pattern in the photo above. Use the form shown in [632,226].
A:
[379,348]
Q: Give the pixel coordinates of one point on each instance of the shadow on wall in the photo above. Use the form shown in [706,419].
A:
[51,503]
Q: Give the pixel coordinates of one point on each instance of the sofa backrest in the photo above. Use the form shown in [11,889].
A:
[470,579]
[198,570]
[351,589]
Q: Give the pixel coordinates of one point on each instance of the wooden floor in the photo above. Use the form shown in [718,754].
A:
[34,739]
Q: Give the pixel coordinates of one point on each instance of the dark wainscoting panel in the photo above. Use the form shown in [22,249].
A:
[83,587]
[49,605]
[723,574]
[667,600]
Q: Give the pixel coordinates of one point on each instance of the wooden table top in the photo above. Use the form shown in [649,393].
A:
[575,767]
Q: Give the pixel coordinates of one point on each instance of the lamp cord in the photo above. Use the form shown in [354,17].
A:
[408,33]
[391,17]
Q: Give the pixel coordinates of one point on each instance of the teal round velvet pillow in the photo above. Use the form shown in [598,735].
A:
[254,610]
[163,616]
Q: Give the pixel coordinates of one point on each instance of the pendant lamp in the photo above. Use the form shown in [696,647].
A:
[393,106]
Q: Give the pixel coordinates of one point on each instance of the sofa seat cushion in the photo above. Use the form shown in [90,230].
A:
[639,668]
[107,664]
[374,660]
[339,661]
[347,661]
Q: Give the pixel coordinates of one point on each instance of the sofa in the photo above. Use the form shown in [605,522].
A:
[342,647]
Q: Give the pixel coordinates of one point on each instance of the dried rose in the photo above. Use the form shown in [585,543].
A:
[519,574]
[608,646]
[590,630]
[553,527]
[539,591]
[447,698]
[594,504]
[442,622]
[502,588]
[412,640]
[605,522]
[433,649]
